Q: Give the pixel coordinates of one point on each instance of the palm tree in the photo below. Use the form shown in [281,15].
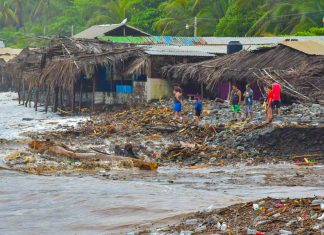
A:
[117,10]
[209,12]
[19,11]
[42,4]
[7,15]
[177,13]
[288,17]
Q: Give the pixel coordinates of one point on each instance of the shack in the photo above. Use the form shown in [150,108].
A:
[297,65]
[74,75]
[6,54]
[122,29]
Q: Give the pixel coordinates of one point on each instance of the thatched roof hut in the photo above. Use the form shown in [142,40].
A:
[298,66]
[67,59]
[61,66]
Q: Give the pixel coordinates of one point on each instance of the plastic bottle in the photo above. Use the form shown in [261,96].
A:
[251,231]
[256,207]
[285,232]
[224,227]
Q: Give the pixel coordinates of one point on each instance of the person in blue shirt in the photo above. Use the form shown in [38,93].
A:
[198,107]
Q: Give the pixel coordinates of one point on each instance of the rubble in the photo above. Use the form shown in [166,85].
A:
[149,136]
[272,216]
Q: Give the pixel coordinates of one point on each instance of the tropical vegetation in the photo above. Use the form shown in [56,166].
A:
[30,22]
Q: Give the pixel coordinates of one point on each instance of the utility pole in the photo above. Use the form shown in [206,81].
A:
[195,26]
[72,30]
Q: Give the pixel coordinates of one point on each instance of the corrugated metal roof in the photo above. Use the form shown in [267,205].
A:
[96,31]
[8,53]
[176,51]
[214,50]
[307,47]
[196,41]
[165,40]
[258,40]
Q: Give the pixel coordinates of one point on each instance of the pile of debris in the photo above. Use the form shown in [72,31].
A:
[151,134]
[262,217]
[48,158]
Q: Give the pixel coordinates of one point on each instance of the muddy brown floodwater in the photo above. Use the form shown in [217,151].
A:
[123,200]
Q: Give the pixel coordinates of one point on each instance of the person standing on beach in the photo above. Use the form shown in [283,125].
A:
[269,106]
[276,88]
[198,107]
[248,101]
[235,100]
[177,106]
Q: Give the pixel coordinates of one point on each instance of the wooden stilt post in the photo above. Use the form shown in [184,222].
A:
[19,92]
[73,99]
[47,99]
[36,98]
[93,94]
[27,97]
[80,96]
[61,98]
[30,96]
[56,91]
[23,96]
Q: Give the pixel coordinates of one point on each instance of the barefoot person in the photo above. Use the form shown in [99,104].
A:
[177,106]
[235,100]
[276,88]
[248,102]
[269,114]
[198,107]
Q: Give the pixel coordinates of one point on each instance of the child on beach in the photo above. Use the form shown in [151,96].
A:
[198,107]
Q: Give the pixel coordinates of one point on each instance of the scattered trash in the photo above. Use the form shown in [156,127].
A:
[321,217]
[285,232]
[238,217]
[256,207]
[223,227]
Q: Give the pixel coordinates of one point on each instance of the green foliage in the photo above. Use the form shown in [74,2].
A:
[311,32]
[26,22]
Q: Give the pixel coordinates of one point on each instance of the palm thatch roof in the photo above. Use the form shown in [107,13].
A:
[64,60]
[69,58]
[301,75]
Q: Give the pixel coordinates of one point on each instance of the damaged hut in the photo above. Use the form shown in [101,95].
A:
[6,54]
[75,73]
[297,65]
